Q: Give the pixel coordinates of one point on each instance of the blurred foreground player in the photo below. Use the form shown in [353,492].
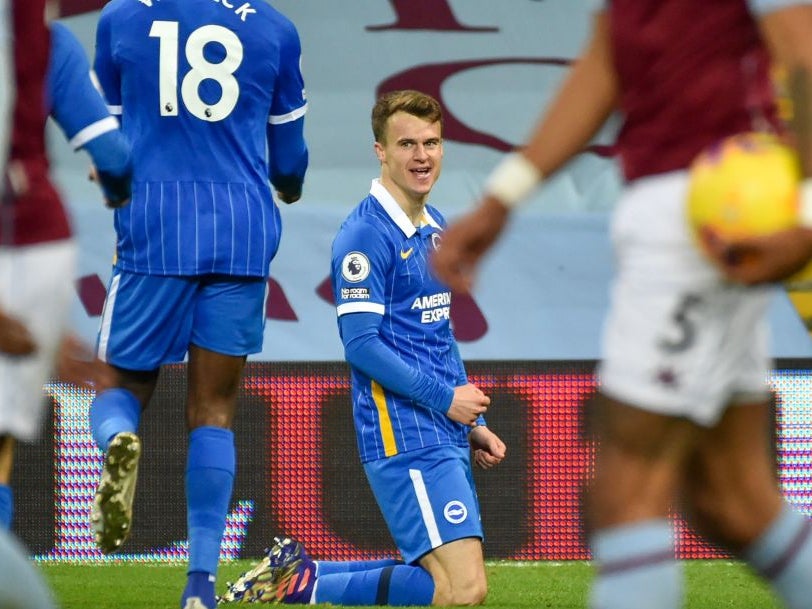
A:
[26,348]
[80,112]
[683,419]
[37,242]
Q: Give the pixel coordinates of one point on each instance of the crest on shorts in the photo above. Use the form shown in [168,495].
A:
[455,511]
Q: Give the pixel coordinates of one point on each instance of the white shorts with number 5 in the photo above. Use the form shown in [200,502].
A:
[678,340]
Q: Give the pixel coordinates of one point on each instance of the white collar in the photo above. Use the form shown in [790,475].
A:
[395,212]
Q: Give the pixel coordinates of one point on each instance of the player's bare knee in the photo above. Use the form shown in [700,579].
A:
[460,593]
[476,594]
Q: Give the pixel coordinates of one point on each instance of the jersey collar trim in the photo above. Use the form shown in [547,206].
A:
[393,210]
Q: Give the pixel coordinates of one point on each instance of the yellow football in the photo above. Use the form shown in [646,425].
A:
[744,185]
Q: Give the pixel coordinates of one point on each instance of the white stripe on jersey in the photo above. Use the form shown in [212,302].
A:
[92,131]
[248,236]
[197,228]
[114,110]
[425,508]
[163,224]
[95,81]
[180,220]
[289,117]
[233,227]
[107,318]
[146,230]
[360,307]
[214,228]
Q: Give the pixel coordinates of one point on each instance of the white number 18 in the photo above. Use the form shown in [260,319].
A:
[201,69]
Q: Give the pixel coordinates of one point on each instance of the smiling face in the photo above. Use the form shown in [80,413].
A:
[411,156]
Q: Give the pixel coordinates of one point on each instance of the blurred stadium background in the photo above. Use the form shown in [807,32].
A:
[529,334]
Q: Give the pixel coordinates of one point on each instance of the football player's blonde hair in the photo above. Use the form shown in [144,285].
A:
[409,101]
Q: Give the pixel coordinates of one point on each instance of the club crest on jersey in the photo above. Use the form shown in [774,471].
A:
[436,239]
[455,512]
[355,267]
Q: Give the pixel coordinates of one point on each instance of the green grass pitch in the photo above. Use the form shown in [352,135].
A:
[538,585]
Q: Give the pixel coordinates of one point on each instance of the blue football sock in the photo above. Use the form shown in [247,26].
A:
[636,568]
[783,556]
[328,567]
[6,506]
[200,585]
[112,412]
[397,585]
[210,470]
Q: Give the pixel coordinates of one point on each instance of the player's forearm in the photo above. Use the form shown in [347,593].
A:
[111,154]
[371,356]
[800,92]
[787,32]
[288,156]
[462,377]
[581,106]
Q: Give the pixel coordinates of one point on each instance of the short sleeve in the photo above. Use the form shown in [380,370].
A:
[289,102]
[361,261]
[75,103]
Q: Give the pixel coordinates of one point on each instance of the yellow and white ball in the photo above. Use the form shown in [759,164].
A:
[743,186]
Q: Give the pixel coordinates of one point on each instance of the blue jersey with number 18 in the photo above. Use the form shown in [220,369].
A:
[196,83]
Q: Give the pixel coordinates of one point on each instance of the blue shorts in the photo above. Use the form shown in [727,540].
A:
[150,320]
[427,498]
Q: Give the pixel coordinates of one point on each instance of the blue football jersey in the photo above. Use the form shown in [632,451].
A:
[71,96]
[196,83]
[380,264]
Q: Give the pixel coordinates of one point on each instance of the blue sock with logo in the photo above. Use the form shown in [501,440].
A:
[783,556]
[201,585]
[636,568]
[112,412]
[210,467]
[396,585]
[6,506]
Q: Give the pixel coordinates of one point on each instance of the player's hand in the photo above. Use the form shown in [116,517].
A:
[76,363]
[761,259]
[109,203]
[468,403]
[15,339]
[287,197]
[488,449]
[466,241]
[115,204]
